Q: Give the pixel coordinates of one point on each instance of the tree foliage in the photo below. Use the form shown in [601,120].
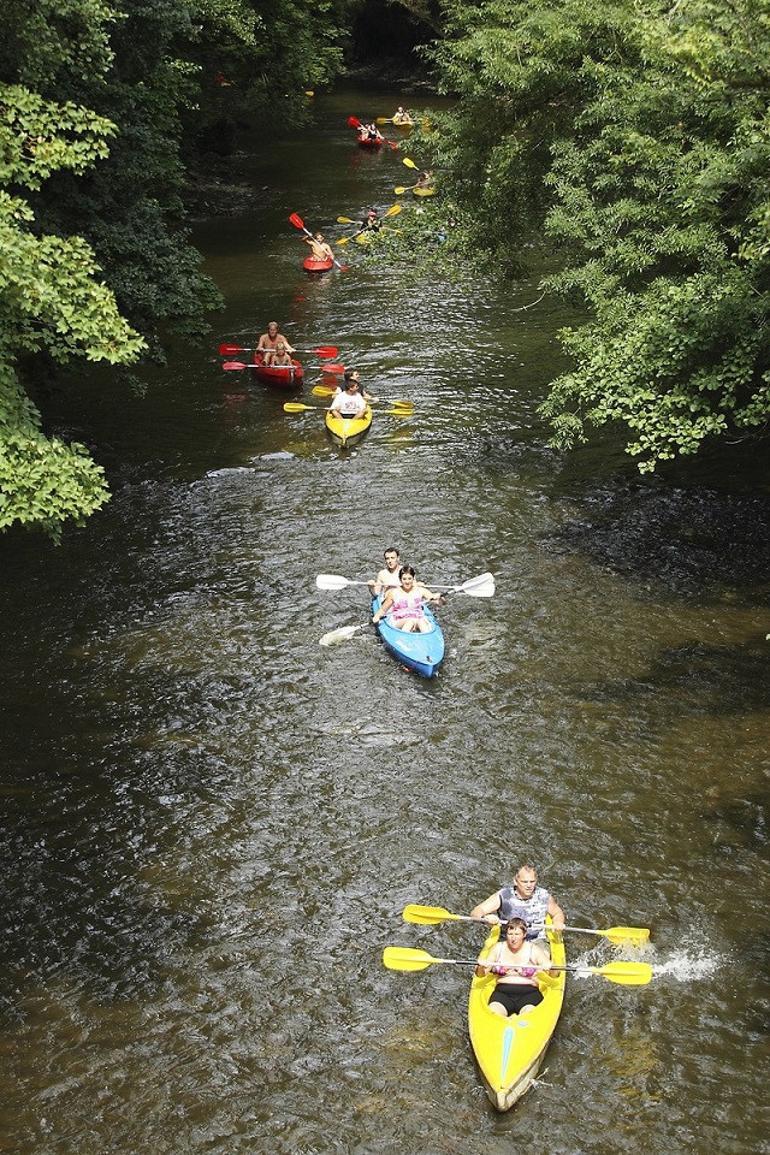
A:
[100,107]
[637,134]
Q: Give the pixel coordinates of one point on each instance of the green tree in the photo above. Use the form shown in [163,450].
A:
[638,134]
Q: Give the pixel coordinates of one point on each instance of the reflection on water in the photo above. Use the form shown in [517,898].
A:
[211,823]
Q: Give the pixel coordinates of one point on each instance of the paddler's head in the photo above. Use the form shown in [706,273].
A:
[515,932]
[272,328]
[352,380]
[406,576]
[525,880]
[392,559]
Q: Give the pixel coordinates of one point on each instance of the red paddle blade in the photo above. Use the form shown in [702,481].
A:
[231,350]
[297,221]
[353,122]
[229,365]
[392,144]
[334,369]
[325,352]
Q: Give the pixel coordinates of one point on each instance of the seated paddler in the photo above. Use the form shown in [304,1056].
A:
[516,962]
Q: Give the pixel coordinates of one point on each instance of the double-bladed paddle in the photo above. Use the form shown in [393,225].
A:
[330,390]
[354,122]
[323,351]
[433,915]
[393,211]
[482,586]
[296,220]
[298,407]
[627,974]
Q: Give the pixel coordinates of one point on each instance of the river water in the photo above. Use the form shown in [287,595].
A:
[211,824]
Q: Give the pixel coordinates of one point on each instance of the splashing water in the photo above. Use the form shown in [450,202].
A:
[684,965]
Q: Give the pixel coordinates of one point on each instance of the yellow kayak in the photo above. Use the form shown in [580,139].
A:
[423,192]
[346,430]
[509,1051]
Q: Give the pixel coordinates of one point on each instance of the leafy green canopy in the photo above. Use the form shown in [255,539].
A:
[638,134]
[98,109]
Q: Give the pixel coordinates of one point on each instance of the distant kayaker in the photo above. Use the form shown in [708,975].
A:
[525,899]
[425,179]
[371,222]
[354,375]
[279,356]
[403,604]
[401,116]
[515,961]
[373,132]
[388,577]
[269,339]
[321,250]
[348,402]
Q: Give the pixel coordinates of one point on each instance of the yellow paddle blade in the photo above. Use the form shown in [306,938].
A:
[399,190]
[345,221]
[393,211]
[404,958]
[426,915]
[297,407]
[343,241]
[626,974]
[383,120]
[620,935]
[323,390]
[408,162]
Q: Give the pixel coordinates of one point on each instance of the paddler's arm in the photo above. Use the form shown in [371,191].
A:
[542,957]
[387,601]
[486,910]
[558,917]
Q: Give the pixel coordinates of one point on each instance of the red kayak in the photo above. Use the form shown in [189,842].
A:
[311,265]
[287,377]
[370,142]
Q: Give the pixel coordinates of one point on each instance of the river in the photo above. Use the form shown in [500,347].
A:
[211,823]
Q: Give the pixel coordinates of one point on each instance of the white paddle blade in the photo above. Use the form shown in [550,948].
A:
[482,586]
[343,634]
[331,581]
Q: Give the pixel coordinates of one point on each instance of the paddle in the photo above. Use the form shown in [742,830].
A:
[298,407]
[409,163]
[297,221]
[329,391]
[433,915]
[354,122]
[233,366]
[477,587]
[342,634]
[629,974]
[400,189]
[322,351]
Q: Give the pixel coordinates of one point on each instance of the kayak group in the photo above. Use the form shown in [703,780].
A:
[519,974]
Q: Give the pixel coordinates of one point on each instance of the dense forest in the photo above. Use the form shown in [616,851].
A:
[633,137]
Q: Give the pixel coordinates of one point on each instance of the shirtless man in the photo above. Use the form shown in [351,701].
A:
[321,250]
[270,339]
[388,576]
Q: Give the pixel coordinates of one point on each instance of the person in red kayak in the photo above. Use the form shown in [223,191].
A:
[515,962]
[403,604]
[279,357]
[321,250]
[270,339]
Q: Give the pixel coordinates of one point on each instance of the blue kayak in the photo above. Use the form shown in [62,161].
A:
[422,653]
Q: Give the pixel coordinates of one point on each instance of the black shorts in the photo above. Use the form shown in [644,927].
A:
[514,996]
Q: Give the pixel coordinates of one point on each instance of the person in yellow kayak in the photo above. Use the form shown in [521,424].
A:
[349,402]
[371,222]
[269,339]
[387,578]
[321,250]
[353,375]
[279,357]
[425,179]
[403,604]
[515,961]
[401,116]
[526,900]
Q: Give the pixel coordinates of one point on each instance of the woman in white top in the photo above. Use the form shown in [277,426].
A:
[404,604]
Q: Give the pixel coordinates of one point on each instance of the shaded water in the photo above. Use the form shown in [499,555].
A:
[211,824]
